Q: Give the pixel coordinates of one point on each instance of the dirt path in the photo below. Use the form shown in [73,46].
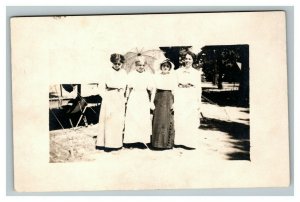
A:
[224,134]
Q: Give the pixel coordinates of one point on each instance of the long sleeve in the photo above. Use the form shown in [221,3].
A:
[101,89]
[197,83]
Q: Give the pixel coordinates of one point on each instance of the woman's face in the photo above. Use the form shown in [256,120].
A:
[188,60]
[140,66]
[117,65]
[165,68]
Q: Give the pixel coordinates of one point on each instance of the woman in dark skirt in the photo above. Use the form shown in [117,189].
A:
[163,121]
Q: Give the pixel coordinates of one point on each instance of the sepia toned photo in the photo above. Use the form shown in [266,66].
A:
[150,102]
[167,99]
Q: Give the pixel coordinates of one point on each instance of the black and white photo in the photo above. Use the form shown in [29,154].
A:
[150,101]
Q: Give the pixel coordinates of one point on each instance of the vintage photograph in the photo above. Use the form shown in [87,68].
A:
[150,101]
[168,99]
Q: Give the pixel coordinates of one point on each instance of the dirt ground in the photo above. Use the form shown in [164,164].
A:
[223,134]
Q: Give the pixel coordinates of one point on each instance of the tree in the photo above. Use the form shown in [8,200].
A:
[219,63]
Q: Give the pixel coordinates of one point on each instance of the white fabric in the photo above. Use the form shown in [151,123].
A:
[112,114]
[189,75]
[186,104]
[165,81]
[116,79]
[138,120]
[111,121]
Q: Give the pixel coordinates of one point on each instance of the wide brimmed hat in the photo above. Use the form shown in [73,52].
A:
[169,62]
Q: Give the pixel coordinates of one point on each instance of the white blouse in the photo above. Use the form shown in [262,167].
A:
[140,81]
[191,75]
[116,79]
[165,81]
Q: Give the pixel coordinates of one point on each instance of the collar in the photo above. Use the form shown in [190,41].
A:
[116,69]
[186,70]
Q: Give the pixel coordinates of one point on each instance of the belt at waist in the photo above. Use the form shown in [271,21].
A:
[185,85]
[161,90]
[111,89]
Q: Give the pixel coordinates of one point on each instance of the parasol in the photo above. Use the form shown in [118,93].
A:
[150,56]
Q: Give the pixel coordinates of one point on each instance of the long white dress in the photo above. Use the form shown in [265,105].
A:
[112,114]
[186,107]
[138,119]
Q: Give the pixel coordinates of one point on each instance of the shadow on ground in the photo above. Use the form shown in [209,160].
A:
[224,98]
[239,136]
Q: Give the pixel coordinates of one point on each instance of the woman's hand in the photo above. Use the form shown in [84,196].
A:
[127,92]
[152,106]
[180,85]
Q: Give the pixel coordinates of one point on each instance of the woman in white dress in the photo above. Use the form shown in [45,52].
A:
[112,112]
[138,119]
[187,103]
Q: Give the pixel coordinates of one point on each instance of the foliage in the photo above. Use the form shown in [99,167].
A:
[219,63]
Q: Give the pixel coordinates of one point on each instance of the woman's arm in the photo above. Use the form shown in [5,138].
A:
[152,88]
[102,89]
[127,92]
[199,90]
[153,91]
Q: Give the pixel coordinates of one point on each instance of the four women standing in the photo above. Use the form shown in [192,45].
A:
[181,90]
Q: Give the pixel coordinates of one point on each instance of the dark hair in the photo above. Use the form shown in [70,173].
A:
[117,58]
[164,62]
[193,55]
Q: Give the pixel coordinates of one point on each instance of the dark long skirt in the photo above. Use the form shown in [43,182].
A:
[163,120]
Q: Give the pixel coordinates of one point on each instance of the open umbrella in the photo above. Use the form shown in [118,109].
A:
[150,56]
